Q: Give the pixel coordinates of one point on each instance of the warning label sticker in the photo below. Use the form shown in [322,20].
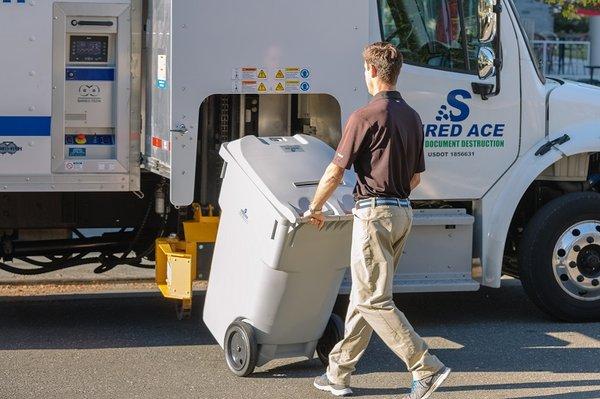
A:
[161,71]
[159,143]
[292,73]
[305,73]
[249,86]
[279,80]
[249,73]
[292,86]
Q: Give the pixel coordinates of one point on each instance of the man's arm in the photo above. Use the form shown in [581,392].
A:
[329,182]
[415,181]
[352,141]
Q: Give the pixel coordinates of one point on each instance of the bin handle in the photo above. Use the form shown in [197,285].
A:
[328,218]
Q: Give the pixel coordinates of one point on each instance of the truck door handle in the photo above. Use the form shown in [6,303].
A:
[483,89]
[180,129]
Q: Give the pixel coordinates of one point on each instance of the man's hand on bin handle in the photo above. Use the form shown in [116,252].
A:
[329,182]
[316,217]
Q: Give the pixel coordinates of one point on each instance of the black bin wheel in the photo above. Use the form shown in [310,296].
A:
[241,350]
[334,332]
[559,257]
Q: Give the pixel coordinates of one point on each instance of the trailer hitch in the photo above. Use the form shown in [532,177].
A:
[543,150]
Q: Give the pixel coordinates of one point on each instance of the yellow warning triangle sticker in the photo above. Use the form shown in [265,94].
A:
[279,74]
[279,87]
[262,74]
[262,87]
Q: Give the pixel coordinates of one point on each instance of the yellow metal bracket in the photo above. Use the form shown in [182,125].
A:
[177,260]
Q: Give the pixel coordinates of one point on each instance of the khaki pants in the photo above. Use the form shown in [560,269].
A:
[378,238]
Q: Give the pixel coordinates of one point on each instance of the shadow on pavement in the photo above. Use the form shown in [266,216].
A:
[495,330]
[81,323]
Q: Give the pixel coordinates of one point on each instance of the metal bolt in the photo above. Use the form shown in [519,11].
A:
[573,264]
[576,248]
[580,278]
[595,282]
[590,240]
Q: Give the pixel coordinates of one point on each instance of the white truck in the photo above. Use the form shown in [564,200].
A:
[112,113]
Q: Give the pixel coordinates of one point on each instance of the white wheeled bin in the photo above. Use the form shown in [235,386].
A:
[274,278]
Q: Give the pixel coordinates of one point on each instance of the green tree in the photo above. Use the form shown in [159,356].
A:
[569,7]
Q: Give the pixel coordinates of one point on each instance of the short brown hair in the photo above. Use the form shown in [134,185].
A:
[386,58]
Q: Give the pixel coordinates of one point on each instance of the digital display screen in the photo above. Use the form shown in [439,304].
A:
[89,49]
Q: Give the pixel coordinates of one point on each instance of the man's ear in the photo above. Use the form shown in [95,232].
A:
[373,71]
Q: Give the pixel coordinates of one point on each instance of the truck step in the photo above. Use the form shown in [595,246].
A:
[424,285]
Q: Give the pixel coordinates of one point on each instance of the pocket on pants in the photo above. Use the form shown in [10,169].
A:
[361,239]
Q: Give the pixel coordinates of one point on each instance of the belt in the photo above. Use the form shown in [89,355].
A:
[378,201]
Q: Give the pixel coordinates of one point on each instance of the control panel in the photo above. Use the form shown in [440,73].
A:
[92,80]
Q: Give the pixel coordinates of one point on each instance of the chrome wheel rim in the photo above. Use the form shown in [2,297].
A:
[576,261]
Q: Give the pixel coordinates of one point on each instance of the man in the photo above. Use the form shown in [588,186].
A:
[384,143]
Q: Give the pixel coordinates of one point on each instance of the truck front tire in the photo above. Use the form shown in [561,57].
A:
[559,259]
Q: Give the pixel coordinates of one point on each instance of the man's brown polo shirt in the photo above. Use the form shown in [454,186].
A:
[384,143]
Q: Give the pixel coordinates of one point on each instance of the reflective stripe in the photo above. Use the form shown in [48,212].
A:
[96,74]
[25,125]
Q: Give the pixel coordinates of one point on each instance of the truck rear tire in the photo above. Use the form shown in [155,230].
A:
[559,259]
[241,349]
[334,332]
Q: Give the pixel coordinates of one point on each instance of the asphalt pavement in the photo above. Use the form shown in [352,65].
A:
[132,346]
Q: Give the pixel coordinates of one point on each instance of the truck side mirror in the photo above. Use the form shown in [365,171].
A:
[488,63]
[487,21]
[485,62]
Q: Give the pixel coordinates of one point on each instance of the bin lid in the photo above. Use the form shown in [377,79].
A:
[287,170]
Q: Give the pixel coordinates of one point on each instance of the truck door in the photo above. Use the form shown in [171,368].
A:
[470,142]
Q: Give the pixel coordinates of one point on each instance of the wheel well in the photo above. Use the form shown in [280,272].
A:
[576,173]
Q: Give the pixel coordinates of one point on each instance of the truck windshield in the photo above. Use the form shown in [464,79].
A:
[438,34]
[534,59]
